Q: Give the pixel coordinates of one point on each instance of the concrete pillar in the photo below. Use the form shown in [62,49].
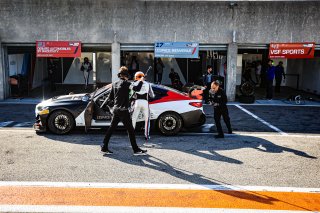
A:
[231,71]
[2,75]
[94,70]
[115,57]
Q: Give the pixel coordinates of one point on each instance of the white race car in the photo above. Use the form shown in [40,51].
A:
[171,110]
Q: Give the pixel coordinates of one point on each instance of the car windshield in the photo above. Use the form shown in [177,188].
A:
[104,88]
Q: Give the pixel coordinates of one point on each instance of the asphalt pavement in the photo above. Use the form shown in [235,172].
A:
[289,119]
[272,147]
[239,159]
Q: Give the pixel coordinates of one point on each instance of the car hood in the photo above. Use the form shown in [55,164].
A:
[75,97]
[62,98]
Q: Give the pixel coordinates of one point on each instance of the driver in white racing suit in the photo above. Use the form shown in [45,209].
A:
[141,103]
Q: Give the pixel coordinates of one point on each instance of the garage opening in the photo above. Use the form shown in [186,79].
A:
[301,76]
[190,71]
[42,78]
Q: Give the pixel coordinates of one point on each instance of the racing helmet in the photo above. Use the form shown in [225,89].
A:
[138,75]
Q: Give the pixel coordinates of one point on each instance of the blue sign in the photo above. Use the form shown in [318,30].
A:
[176,50]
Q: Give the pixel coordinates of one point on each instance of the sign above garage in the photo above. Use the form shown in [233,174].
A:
[292,50]
[57,49]
[176,50]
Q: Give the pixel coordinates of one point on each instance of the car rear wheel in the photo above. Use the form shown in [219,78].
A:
[60,122]
[169,123]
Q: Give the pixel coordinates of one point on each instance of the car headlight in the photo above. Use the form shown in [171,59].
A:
[42,110]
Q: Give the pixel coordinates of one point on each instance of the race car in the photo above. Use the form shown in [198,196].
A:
[170,111]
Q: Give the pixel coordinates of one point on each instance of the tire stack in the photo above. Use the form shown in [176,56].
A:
[247,93]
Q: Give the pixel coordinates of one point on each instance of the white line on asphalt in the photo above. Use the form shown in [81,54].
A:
[6,123]
[121,209]
[236,134]
[157,186]
[261,120]
[280,105]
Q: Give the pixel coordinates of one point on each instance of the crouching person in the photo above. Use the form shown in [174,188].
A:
[218,99]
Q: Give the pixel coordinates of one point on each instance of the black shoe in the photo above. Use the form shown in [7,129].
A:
[106,150]
[230,132]
[140,152]
[219,136]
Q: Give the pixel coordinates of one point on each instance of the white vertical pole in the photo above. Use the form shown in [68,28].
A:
[94,72]
[187,70]
[61,72]
[115,57]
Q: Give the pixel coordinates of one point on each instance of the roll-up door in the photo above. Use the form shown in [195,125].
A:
[253,46]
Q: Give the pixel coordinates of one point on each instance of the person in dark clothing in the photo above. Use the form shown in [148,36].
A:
[269,79]
[218,99]
[173,76]
[159,68]
[120,96]
[134,67]
[207,80]
[279,72]
[175,80]
[52,68]
[86,68]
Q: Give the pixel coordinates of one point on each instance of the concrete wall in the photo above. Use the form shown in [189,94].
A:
[146,22]
[131,21]
[2,74]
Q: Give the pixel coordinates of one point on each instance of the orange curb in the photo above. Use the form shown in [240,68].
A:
[14,195]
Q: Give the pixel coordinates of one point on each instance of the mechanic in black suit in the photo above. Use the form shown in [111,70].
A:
[218,99]
[120,96]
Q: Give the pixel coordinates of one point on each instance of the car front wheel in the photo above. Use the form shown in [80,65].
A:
[169,123]
[60,122]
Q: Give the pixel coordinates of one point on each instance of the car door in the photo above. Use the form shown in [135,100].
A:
[95,112]
[88,114]
[101,113]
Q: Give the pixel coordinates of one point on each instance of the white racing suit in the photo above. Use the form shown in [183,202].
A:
[141,104]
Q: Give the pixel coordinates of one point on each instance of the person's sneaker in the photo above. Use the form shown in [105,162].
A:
[219,136]
[230,132]
[140,152]
[106,150]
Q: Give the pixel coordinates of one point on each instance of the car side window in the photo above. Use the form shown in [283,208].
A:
[102,97]
[159,93]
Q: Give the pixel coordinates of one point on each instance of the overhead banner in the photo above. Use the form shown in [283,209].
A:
[291,50]
[58,49]
[176,50]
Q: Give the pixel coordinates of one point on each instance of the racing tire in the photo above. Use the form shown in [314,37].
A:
[169,123]
[60,122]
[247,89]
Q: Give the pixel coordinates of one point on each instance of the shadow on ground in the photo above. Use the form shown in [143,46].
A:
[120,145]
[190,146]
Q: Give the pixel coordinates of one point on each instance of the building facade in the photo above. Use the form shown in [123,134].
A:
[113,32]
